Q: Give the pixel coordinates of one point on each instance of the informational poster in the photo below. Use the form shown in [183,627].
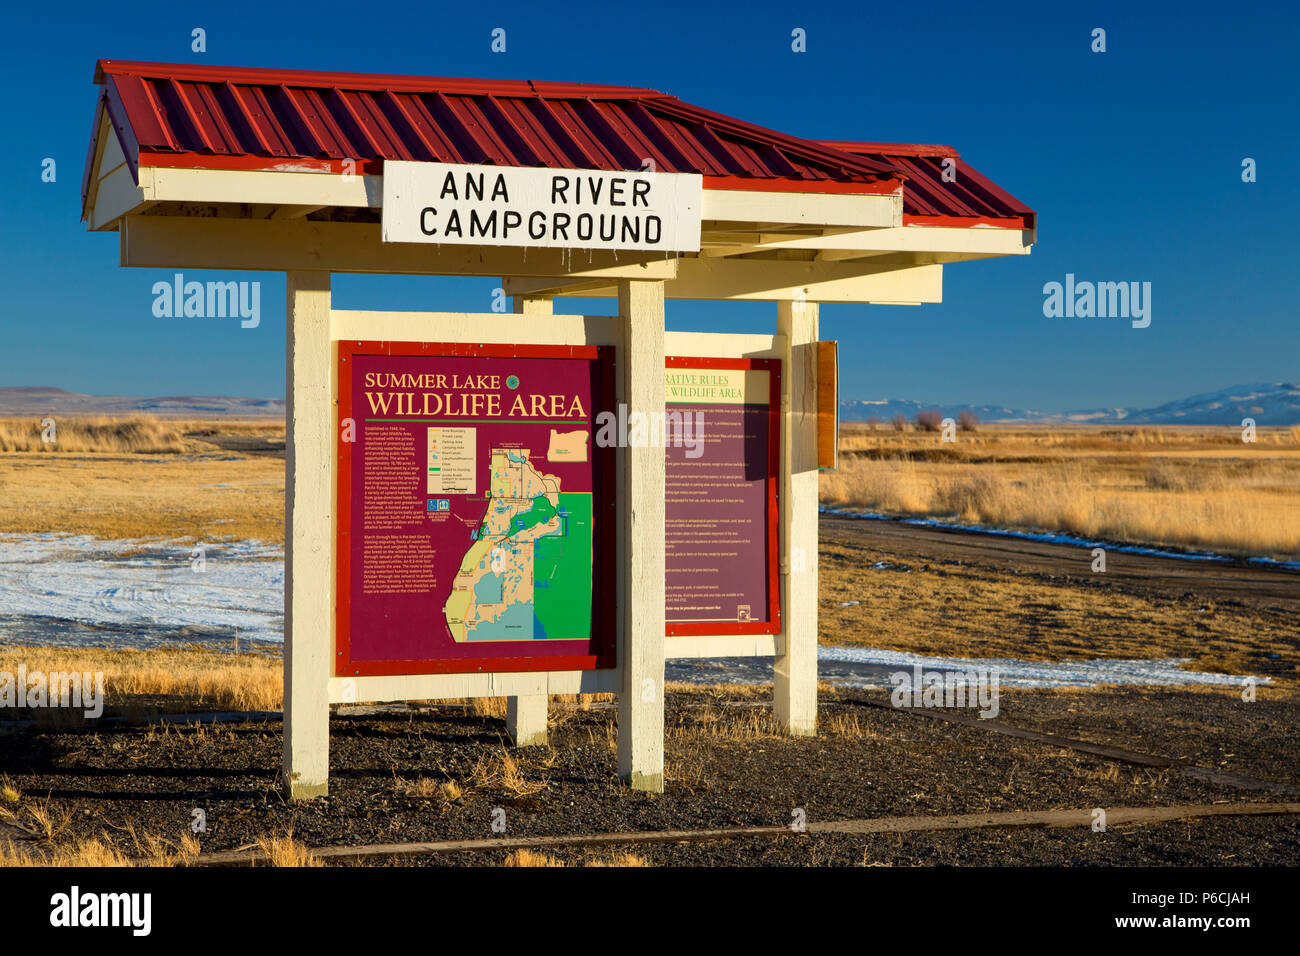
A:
[470,500]
[723,451]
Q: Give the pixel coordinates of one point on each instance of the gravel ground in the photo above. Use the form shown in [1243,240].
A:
[725,768]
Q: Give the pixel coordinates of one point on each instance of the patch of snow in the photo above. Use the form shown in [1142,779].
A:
[74,589]
[865,667]
[65,588]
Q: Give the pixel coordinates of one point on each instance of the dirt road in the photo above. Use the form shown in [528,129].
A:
[898,586]
[1170,577]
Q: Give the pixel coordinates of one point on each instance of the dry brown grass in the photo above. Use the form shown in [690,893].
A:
[136,435]
[428,788]
[622,859]
[964,610]
[450,790]
[1194,488]
[57,845]
[43,818]
[713,722]
[512,778]
[285,851]
[526,857]
[535,858]
[188,498]
[420,787]
[1022,441]
[200,676]
[206,428]
[503,770]
[488,707]
[1106,774]
[123,435]
[845,724]
[92,852]
[583,702]
[685,767]
[161,851]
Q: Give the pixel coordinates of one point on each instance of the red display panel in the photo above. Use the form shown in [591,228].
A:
[722,548]
[475,509]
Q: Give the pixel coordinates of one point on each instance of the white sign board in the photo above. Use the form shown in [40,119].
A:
[453,203]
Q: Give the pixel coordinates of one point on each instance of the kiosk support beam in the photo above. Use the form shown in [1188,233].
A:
[795,669]
[641,589]
[308,535]
[526,720]
[526,714]
[533,304]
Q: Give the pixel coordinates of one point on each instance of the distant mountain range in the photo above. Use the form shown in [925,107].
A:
[46,400]
[1274,404]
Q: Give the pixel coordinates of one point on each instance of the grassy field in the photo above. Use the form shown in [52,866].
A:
[197,481]
[130,435]
[1184,487]
[972,609]
[1172,486]
[140,478]
[199,676]
[1175,486]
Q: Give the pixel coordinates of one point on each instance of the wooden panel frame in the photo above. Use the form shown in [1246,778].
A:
[736,345]
[484,327]
[773,623]
[604,618]
[828,404]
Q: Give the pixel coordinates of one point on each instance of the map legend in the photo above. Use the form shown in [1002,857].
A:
[452,461]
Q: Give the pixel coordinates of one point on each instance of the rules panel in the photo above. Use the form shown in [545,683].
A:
[722,438]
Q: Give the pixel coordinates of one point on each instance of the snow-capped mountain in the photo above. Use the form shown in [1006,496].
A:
[861,410]
[1268,404]
[1275,404]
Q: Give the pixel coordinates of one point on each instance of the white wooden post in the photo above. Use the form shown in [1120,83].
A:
[641,587]
[795,684]
[308,534]
[526,720]
[533,304]
[526,715]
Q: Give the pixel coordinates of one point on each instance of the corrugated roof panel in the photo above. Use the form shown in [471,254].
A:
[142,114]
[518,135]
[967,195]
[409,117]
[576,126]
[269,128]
[630,129]
[206,114]
[577,150]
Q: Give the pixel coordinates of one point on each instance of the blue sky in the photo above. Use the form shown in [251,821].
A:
[1132,159]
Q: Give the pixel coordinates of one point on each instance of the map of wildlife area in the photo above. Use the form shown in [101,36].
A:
[472,490]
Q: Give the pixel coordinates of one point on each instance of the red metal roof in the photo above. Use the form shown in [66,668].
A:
[170,114]
[970,197]
[229,117]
